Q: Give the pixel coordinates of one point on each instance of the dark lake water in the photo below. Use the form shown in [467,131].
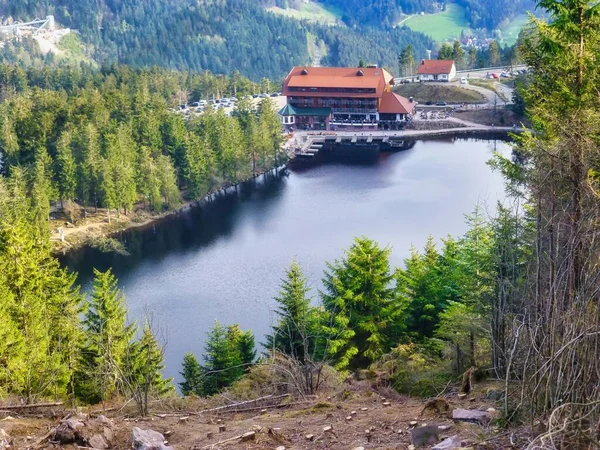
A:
[224,260]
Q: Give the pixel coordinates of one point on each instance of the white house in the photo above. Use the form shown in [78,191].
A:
[436,70]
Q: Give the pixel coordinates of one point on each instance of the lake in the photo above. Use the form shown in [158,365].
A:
[224,260]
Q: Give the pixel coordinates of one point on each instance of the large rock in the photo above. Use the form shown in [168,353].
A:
[148,440]
[427,435]
[448,444]
[471,415]
[69,431]
[494,394]
[97,442]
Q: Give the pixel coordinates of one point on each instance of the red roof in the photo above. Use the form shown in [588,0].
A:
[337,77]
[396,104]
[435,67]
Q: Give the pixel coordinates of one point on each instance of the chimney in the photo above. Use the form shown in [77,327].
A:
[428,54]
[410,99]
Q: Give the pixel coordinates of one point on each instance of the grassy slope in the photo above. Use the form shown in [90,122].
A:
[510,33]
[441,26]
[310,11]
[438,92]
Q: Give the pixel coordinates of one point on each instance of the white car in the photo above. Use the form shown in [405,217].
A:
[463,80]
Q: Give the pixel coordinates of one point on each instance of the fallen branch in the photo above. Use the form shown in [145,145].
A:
[248,402]
[235,438]
[30,406]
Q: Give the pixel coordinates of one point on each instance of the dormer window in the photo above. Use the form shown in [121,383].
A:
[304,72]
[360,73]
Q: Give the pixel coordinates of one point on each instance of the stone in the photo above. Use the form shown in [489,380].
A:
[97,442]
[263,411]
[106,421]
[471,415]
[462,396]
[494,394]
[364,409]
[5,440]
[249,436]
[448,443]
[413,423]
[209,435]
[281,447]
[161,416]
[329,415]
[310,437]
[148,440]
[108,434]
[353,413]
[68,431]
[222,428]
[348,418]
[358,448]
[257,428]
[327,429]
[168,433]
[184,419]
[444,427]
[428,435]
[472,399]
[387,404]
[411,447]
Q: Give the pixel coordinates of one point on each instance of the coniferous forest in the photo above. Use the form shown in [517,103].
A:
[515,298]
[220,36]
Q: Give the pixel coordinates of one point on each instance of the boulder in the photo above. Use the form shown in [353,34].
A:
[448,444]
[69,431]
[148,440]
[471,415]
[97,442]
[424,436]
[494,394]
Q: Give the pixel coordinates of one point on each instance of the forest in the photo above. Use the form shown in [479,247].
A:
[480,14]
[515,297]
[220,36]
[108,138]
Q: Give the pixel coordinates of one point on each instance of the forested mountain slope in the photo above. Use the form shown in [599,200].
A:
[488,14]
[218,35]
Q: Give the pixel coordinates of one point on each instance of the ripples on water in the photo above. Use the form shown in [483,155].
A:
[224,259]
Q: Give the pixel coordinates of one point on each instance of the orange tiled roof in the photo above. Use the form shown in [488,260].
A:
[395,104]
[337,77]
[435,66]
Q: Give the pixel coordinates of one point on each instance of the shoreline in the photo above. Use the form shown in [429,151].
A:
[87,234]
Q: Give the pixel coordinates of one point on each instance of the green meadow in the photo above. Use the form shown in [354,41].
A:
[442,26]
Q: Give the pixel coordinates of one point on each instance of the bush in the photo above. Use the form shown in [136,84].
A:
[416,369]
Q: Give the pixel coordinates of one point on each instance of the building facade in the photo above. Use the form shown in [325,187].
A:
[436,70]
[328,98]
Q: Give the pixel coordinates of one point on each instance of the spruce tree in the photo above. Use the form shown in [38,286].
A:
[295,332]
[107,338]
[193,376]
[362,305]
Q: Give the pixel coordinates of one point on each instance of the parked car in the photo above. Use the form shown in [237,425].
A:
[495,76]
[195,104]
[263,95]
[441,103]
[182,106]
[274,94]
[463,80]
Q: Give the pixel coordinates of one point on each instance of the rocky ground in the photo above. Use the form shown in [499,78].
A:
[354,416]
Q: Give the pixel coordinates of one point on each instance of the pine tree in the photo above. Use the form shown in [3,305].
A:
[193,376]
[107,339]
[223,363]
[65,167]
[142,369]
[295,332]
[362,304]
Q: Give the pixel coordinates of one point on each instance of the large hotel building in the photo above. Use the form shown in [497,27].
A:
[329,98]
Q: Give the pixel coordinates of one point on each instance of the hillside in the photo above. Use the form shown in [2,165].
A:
[216,35]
